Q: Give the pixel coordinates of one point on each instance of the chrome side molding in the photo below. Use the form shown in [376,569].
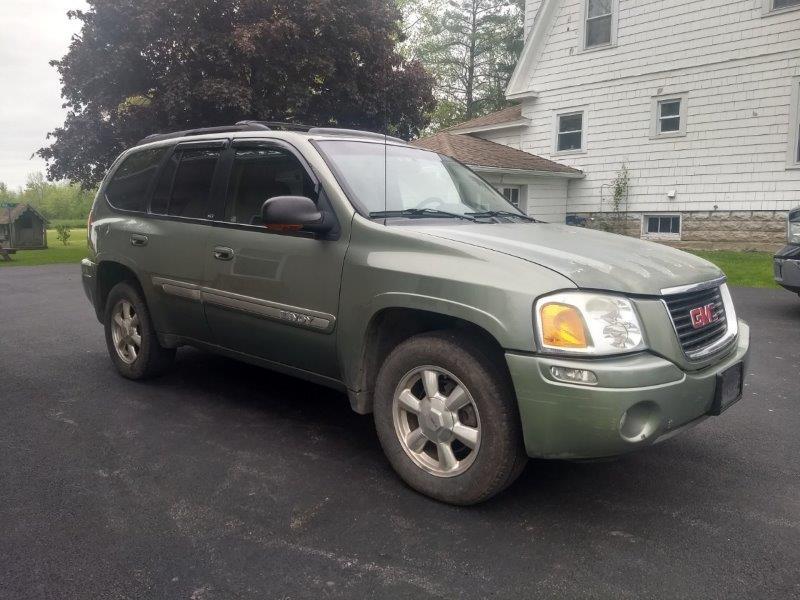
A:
[265,309]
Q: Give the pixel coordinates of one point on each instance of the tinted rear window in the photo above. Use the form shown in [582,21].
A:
[192,185]
[127,190]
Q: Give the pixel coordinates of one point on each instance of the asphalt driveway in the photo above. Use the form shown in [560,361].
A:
[224,481]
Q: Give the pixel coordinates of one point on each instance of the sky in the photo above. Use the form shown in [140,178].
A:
[32,32]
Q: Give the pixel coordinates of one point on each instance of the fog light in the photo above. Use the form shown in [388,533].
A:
[568,375]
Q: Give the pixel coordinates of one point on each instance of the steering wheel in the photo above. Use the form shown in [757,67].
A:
[433,200]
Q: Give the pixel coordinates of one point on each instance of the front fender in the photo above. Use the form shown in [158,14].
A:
[395,267]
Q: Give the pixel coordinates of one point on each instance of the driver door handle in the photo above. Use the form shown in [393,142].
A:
[223,253]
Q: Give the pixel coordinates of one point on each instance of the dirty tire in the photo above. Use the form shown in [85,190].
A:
[152,359]
[500,457]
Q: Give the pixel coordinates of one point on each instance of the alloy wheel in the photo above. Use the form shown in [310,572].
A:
[126,331]
[436,421]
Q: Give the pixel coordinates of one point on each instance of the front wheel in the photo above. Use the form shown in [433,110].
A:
[130,337]
[447,420]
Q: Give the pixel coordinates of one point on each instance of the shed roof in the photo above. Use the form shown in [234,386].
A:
[16,211]
[477,152]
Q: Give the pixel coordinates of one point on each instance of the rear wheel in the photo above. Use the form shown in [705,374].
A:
[446,417]
[130,337]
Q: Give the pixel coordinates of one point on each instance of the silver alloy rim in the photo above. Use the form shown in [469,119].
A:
[126,331]
[436,421]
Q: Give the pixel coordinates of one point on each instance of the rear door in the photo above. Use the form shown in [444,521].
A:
[175,235]
[272,294]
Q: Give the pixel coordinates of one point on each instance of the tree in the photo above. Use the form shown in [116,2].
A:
[470,47]
[63,233]
[140,66]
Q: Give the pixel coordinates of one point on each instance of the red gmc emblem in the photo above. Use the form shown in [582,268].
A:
[702,316]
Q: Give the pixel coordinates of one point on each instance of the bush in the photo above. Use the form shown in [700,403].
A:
[62,233]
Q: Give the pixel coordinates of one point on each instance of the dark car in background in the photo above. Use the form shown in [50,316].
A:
[787,261]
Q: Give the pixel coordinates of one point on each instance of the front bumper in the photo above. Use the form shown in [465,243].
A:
[562,420]
[787,268]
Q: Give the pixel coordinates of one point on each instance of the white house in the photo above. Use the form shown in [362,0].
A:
[699,100]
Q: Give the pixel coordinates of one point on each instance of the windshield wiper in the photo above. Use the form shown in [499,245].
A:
[502,213]
[419,212]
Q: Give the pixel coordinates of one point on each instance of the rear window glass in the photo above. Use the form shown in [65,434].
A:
[127,190]
[184,186]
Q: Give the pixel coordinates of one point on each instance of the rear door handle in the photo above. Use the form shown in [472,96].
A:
[223,253]
[137,239]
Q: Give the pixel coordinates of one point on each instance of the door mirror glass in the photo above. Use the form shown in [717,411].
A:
[293,212]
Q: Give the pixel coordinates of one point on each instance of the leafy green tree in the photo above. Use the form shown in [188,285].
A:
[470,47]
[140,66]
[63,233]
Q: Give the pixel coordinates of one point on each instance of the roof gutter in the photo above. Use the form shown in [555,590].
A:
[504,171]
[493,127]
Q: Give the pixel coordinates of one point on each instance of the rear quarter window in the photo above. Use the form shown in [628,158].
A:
[127,189]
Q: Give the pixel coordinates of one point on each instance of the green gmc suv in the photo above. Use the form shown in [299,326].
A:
[476,335]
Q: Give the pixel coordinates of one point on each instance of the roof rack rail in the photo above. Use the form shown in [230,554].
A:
[286,125]
[241,126]
[355,133]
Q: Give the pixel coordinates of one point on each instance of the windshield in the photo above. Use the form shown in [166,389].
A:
[381,178]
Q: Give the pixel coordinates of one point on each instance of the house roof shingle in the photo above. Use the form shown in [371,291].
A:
[506,115]
[478,152]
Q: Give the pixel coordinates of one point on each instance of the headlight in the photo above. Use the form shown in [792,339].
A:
[794,233]
[587,323]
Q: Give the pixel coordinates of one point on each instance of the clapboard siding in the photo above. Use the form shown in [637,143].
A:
[735,65]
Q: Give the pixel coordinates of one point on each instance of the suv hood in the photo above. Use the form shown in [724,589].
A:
[591,259]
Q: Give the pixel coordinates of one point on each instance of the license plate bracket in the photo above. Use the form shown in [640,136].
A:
[729,389]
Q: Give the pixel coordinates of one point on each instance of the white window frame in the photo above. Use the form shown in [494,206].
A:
[582,29]
[768,8]
[656,115]
[567,113]
[518,188]
[658,235]
[793,150]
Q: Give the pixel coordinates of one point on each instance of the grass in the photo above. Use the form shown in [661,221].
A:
[73,223]
[745,269]
[56,252]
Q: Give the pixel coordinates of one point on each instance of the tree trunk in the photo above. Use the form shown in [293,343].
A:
[470,87]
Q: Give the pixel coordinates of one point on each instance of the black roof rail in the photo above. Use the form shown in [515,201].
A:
[355,133]
[241,126]
[286,125]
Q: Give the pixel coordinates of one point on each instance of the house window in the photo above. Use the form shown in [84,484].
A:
[569,132]
[512,195]
[662,226]
[599,23]
[669,116]
[778,4]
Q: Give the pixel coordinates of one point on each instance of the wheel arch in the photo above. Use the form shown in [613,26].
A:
[109,274]
[391,325]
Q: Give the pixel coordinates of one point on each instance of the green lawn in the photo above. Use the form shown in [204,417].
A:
[56,252]
[745,269]
[74,223]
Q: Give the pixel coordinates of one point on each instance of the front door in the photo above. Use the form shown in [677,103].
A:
[272,294]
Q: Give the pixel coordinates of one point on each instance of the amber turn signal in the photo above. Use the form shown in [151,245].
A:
[562,326]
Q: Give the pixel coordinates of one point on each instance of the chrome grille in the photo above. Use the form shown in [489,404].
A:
[693,339]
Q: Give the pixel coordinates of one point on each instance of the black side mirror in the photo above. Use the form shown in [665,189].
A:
[294,212]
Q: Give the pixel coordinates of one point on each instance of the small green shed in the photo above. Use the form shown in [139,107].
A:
[22,226]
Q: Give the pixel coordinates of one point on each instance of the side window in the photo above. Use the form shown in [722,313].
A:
[259,174]
[127,190]
[184,186]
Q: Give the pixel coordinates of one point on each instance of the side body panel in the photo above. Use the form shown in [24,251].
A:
[395,267]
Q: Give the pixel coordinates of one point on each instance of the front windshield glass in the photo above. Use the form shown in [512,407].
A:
[381,177]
